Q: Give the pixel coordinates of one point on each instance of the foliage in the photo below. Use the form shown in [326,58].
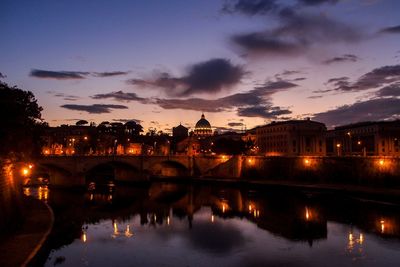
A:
[81,122]
[229,146]
[21,122]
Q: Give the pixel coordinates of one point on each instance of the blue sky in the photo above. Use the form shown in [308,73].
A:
[242,62]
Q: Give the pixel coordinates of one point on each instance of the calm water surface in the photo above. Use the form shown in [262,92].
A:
[187,225]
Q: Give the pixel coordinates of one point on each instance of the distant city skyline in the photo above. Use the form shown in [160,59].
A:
[243,63]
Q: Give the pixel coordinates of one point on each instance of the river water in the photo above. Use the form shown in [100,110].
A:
[212,225]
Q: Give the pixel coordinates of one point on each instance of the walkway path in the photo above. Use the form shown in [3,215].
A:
[19,248]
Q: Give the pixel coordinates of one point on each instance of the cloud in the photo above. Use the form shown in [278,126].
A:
[370,110]
[2,76]
[394,29]
[95,108]
[58,75]
[235,124]
[371,80]
[265,43]
[296,34]
[256,97]
[250,7]
[71,75]
[390,90]
[110,74]
[342,59]
[263,7]
[65,96]
[210,76]
[266,112]
[317,2]
[127,120]
[121,96]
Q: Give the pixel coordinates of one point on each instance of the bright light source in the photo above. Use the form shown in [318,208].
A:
[25,171]
[338,145]
[381,162]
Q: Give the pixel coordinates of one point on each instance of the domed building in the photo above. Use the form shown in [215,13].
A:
[203,127]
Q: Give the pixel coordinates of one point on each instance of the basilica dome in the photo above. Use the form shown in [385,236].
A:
[203,127]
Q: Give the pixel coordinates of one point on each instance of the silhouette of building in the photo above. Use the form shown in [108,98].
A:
[180,131]
[291,138]
[203,128]
[380,138]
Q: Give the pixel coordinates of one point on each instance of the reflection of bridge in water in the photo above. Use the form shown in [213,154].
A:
[74,170]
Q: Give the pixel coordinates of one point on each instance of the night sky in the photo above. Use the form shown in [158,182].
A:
[243,63]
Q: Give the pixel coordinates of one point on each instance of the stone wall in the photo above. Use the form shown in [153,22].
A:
[371,171]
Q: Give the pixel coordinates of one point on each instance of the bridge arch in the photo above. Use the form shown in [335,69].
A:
[112,171]
[52,174]
[169,168]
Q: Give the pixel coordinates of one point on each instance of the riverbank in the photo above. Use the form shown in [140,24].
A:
[18,248]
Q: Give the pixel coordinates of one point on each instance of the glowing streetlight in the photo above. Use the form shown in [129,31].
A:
[25,171]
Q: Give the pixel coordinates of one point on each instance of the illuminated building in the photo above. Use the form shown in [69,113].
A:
[203,128]
[365,139]
[291,138]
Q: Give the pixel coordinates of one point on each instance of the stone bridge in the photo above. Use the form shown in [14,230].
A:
[74,170]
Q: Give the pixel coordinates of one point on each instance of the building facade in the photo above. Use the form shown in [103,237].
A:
[291,138]
[365,139]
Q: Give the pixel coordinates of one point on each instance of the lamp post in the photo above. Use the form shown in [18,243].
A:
[338,146]
[350,143]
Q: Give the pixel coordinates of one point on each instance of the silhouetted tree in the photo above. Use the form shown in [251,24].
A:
[81,122]
[21,120]
[133,128]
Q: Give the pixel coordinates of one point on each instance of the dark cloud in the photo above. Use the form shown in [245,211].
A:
[266,112]
[255,97]
[263,7]
[315,96]
[65,96]
[371,80]
[394,29]
[68,75]
[2,76]
[296,34]
[370,110]
[95,108]
[211,76]
[250,7]
[110,74]
[120,96]
[58,75]
[266,43]
[317,2]
[126,120]
[342,59]
[390,90]
[235,124]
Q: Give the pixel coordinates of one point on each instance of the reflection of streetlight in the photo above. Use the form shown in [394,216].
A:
[338,146]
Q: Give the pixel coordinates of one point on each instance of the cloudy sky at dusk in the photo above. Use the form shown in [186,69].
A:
[241,62]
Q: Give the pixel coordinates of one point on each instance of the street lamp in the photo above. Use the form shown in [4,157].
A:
[338,146]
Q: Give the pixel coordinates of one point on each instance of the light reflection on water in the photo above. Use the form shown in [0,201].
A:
[175,225]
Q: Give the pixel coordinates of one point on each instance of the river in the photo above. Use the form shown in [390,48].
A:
[167,224]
